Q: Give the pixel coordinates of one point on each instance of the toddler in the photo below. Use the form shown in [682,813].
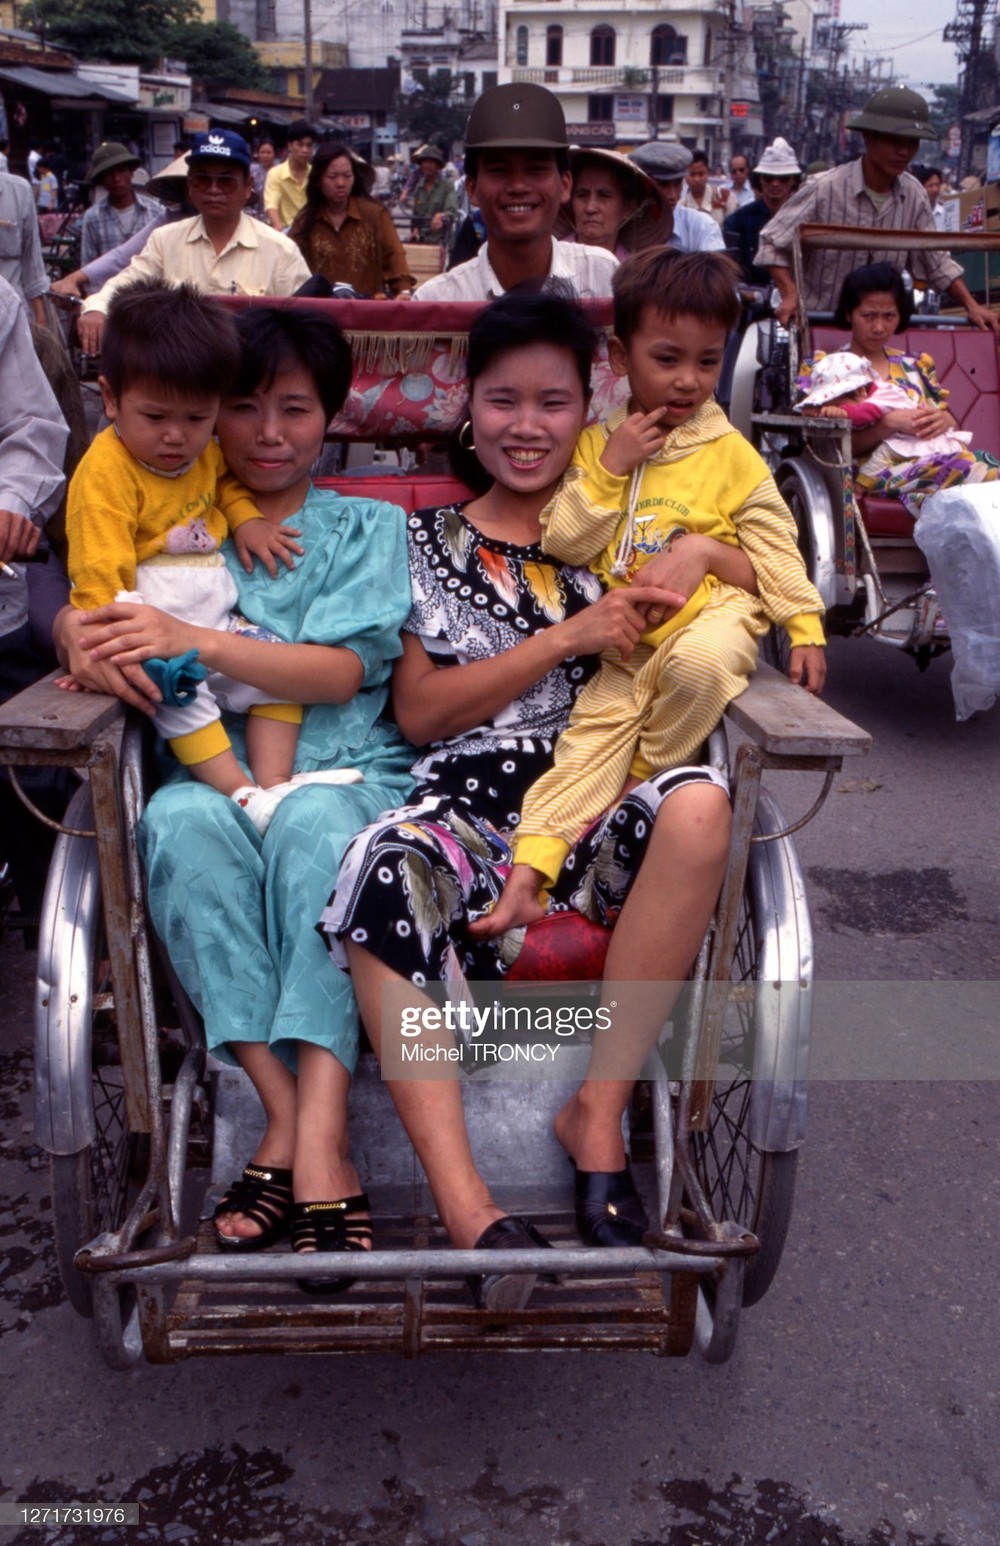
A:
[149,507]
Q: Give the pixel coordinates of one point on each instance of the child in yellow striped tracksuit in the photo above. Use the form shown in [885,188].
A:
[668,469]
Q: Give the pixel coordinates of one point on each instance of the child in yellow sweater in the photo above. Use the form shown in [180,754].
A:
[151,504]
[668,466]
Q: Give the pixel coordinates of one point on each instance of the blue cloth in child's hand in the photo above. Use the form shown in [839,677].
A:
[177,678]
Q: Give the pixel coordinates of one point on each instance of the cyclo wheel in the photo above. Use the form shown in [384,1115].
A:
[746,1159]
[81,1114]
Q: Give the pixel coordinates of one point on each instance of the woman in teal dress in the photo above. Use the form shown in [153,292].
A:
[237,913]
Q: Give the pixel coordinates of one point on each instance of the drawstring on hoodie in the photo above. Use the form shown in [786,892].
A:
[626,545]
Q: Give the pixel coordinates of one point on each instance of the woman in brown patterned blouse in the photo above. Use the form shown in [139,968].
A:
[345,235]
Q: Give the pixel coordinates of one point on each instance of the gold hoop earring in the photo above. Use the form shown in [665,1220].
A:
[466,444]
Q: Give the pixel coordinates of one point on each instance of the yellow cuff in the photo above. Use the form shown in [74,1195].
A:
[200,745]
[287,713]
[545,854]
[640,768]
[805,628]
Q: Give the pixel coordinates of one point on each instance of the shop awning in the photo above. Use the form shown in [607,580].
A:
[64,85]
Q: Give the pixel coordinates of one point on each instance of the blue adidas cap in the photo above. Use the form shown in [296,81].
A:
[220,145]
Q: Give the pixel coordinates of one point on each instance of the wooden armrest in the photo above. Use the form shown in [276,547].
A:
[788,721]
[44,718]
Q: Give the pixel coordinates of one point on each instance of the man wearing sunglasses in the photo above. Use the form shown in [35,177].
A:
[220,250]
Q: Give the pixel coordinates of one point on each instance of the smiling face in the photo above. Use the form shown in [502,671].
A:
[162,430]
[271,438]
[336,183]
[519,192]
[873,322]
[600,206]
[527,410]
[672,363]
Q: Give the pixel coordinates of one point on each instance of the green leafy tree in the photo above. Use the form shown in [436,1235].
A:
[438,111]
[945,106]
[218,51]
[121,31]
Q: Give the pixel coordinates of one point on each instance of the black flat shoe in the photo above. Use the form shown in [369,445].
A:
[263,1193]
[609,1211]
[506,1290]
[328,1227]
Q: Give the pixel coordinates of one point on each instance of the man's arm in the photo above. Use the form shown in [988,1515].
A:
[272,199]
[33,432]
[147,264]
[34,279]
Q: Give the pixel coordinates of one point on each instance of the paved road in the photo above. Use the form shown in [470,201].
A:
[861,1406]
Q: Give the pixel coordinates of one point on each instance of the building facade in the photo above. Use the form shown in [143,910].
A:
[628,76]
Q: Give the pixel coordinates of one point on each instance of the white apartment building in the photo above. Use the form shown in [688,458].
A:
[628,76]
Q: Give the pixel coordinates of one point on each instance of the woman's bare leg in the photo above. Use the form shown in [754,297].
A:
[322,1164]
[431,1112]
[655,940]
[275,1084]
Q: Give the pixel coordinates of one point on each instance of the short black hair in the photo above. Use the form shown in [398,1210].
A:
[873,279]
[277,338]
[522,316]
[560,155]
[170,335]
[301,129]
[700,157]
[675,284]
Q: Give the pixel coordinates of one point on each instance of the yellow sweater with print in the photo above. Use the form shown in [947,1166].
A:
[120,513]
[707,479]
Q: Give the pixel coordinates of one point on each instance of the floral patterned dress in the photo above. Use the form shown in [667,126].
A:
[911,479]
[410,883]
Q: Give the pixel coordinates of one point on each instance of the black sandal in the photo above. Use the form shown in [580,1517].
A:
[327,1227]
[609,1211]
[263,1194]
[505,1290]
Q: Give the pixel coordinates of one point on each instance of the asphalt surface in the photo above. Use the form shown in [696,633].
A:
[860,1407]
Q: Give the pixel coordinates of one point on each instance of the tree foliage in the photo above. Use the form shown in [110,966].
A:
[437,111]
[218,51]
[121,31]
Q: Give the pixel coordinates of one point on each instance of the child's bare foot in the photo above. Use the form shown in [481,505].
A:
[519,904]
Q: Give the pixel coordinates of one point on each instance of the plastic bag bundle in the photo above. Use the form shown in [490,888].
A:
[958,530]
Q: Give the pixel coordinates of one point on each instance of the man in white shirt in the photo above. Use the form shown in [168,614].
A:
[687,230]
[517,171]
[221,251]
[739,180]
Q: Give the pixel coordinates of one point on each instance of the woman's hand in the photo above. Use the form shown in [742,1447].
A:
[259,539]
[929,421]
[898,421]
[127,633]
[130,684]
[616,621]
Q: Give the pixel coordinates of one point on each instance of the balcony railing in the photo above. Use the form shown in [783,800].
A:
[693,80]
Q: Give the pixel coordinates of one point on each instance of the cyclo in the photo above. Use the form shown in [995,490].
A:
[144,1131]
[860,550]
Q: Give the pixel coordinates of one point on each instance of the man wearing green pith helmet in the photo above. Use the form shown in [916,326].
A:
[876,191]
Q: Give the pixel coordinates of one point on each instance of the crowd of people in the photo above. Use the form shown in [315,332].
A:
[370,700]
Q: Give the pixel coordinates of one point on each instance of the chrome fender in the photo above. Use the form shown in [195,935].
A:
[784,986]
